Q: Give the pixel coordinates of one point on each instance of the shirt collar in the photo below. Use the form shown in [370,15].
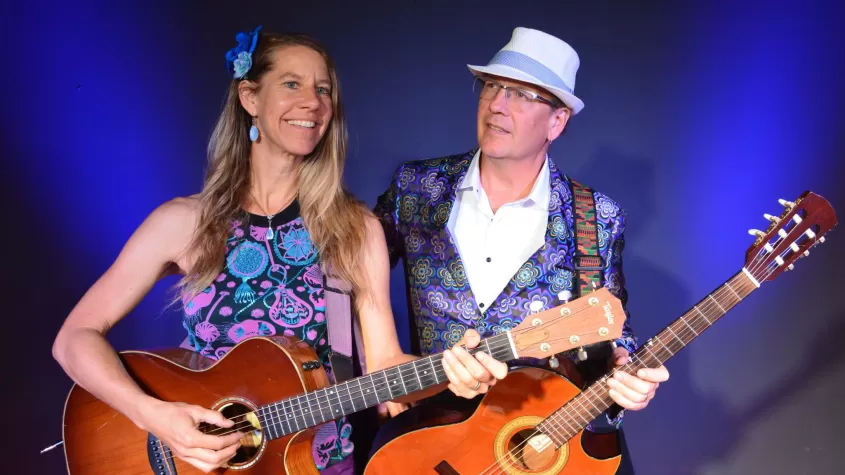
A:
[540,192]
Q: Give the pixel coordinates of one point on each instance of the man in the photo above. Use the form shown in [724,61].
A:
[488,237]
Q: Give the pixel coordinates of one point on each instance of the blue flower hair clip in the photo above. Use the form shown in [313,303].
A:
[239,58]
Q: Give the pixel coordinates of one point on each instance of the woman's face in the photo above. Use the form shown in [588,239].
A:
[293,104]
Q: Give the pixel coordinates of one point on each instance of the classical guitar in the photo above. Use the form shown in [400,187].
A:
[520,426]
[276,391]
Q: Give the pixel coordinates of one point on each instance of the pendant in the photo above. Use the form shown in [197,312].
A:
[269,234]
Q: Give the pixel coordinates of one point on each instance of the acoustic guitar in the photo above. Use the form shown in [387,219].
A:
[520,427]
[277,392]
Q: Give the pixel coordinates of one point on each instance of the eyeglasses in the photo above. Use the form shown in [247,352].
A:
[516,96]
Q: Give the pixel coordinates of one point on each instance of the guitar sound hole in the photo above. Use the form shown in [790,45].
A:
[245,422]
[530,451]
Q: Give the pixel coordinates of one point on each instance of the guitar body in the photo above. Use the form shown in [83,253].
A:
[257,371]
[506,413]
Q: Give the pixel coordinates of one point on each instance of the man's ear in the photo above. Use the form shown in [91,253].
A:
[557,122]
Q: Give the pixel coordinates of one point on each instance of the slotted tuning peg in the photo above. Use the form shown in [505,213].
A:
[790,267]
[806,253]
[771,218]
[553,362]
[756,232]
[786,204]
[821,239]
[582,354]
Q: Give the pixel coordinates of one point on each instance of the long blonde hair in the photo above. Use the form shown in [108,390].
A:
[334,218]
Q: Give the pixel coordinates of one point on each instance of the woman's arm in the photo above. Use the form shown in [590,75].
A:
[86,356]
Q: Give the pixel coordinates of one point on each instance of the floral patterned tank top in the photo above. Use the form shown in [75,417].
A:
[270,284]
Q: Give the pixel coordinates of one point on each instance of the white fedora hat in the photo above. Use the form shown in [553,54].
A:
[538,58]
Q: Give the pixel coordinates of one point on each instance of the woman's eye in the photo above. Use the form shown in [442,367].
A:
[292,84]
[324,90]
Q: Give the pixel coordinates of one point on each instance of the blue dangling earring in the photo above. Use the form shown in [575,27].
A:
[253,131]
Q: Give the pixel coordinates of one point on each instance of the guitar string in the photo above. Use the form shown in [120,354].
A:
[563,414]
[559,414]
[351,398]
[404,373]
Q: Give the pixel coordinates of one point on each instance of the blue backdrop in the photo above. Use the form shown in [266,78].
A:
[699,116]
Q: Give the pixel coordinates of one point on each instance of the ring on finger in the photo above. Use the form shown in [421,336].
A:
[477,386]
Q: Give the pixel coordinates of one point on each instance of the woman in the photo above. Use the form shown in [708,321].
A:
[252,247]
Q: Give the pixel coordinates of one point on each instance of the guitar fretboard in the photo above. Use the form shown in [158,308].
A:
[576,414]
[316,407]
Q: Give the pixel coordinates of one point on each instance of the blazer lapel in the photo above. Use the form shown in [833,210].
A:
[550,267]
[440,190]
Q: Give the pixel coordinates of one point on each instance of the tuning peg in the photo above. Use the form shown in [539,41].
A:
[806,253]
[771,218]
[786,204]
[582,354]
[790,267]
[821,239]
[553,362]
[756,232]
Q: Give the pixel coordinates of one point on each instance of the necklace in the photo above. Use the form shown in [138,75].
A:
[270,234]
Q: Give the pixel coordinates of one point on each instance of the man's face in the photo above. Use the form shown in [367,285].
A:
[516,122]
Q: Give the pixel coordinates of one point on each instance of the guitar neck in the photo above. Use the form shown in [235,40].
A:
[316,407]
[576,414]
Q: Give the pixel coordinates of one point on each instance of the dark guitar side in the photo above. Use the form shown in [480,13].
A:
[259,370]
[468,446]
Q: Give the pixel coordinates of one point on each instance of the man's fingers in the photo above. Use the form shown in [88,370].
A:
[626,392]
[472,370]
[633,382]
[625,402]
[471,338]
[497,368]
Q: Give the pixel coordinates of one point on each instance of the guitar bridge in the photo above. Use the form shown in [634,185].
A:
[443,468]
[160,457]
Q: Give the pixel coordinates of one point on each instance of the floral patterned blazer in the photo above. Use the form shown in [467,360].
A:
[414,212]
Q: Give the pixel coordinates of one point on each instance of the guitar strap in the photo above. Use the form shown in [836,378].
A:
[342,329]
[586,259]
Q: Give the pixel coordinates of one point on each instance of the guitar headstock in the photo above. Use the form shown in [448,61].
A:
[790,236]
[593,318]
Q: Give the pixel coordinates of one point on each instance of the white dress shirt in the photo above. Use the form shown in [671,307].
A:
[494,246]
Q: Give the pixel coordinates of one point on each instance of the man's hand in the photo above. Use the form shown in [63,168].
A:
[634,392]
[471,375]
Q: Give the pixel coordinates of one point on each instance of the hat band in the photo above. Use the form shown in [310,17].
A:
[530,66]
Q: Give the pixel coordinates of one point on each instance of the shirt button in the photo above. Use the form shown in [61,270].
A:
[488,259]
[481,305]
[536,306]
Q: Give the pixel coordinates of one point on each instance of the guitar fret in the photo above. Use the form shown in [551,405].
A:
[702,315]
[309,410]
[717,304]
[417,374]
[283,418]
[683,319]
[387,383]
[728,285]
[319,407]
[262,419]
[301,412]
[288,411]
[401,379]
[433,369]
[359,393]
[375,392]
[676,336]
[351,401]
